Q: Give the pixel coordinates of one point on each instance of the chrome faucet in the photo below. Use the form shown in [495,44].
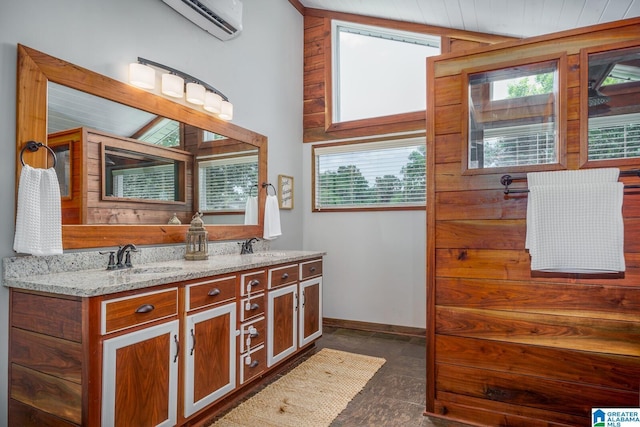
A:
[122,250]
[247,246]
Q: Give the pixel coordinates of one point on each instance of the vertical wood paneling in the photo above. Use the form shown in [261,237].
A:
[512,346]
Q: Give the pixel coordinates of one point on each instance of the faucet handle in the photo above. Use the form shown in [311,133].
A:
[112,260]
[127,260]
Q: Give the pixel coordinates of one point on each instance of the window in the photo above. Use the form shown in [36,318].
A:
[226,182]
[513,116]
[385,174]
[377,71]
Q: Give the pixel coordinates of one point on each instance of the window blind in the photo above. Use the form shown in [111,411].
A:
[614,137]
[225,183]
[376,174]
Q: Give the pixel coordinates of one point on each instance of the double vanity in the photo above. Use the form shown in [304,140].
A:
[161,343]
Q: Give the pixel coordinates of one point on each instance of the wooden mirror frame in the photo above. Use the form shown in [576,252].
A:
[36,69]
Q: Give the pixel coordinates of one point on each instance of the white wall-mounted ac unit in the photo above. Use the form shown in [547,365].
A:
[220,18]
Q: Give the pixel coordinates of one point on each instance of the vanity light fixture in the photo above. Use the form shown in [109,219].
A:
[172,85]
[142,76]
[174,82]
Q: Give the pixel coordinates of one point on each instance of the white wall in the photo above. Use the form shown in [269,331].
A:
[374,270]
[260,71]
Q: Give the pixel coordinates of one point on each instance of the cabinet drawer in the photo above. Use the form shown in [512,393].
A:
[283,275]
[210,292]
[252,364]
[252,334]
[126,312]
[310,269]
[251,283]
[251,307]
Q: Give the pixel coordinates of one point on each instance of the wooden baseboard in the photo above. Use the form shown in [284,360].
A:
[374,327]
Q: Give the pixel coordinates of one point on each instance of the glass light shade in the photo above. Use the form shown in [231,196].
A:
[142,76]
[213,102]
[172,85]
[226,112]
[195,93]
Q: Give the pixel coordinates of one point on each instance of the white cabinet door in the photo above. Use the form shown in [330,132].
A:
[210,357]
[140,377]
[310,311]
[282,325]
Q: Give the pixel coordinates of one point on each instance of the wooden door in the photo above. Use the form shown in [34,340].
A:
[282,329]
[310,310]
[210,356]
[140,377]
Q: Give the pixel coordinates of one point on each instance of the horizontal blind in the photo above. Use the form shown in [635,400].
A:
[376,174]
[226,183]
[151,182]
[614,137]
[520,145]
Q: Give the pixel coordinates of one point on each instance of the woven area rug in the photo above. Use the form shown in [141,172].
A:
[312,394]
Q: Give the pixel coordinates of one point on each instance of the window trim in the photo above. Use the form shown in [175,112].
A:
[560,120]
[584,108]
[361,142]
[409,121]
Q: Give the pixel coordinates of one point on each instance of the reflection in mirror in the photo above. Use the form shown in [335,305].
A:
[512,115]
[228,184]
[61,104]
[613,99]
[63,168]
[133,175]
[139,175]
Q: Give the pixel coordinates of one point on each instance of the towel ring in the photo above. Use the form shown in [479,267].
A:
[266,186]
[251,189]
[33,146]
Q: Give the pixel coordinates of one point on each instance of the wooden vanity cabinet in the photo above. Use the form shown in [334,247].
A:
[294,308]
[160,356]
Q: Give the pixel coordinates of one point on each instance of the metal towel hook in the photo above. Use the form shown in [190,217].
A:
[266,186]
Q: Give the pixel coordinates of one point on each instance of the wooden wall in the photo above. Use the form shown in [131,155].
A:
[506,346]
[317,75]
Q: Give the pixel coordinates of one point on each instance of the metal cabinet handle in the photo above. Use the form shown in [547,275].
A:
[214,292]
[145,308]
[312,269]
[193,337]
[254,306]
[254,363]
[175,339]
[285,276]
[254,282]
[254,334]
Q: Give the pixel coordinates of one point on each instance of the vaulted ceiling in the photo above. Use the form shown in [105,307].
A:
[516,18]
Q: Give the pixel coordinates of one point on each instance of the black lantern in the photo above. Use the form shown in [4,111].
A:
[197,242]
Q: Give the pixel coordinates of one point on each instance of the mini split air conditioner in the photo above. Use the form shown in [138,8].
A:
[220,18]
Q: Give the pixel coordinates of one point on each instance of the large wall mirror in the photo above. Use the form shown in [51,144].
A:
[129,161]
[610,104]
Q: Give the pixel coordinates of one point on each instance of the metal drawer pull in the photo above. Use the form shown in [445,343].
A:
[254,306]
[214,292]
[254,363]
[175,358]
[285,276]
[253,332]
[145,308]
[312,269]
[254,282]
[193,337]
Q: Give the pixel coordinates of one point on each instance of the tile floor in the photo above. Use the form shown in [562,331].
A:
[396,394]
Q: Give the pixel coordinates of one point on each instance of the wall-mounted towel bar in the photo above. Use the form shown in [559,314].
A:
[33,146]
[266,186]
[507,180]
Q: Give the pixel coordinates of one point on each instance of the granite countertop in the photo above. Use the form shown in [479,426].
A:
[94,282]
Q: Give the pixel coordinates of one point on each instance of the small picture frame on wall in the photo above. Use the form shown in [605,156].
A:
[285,191]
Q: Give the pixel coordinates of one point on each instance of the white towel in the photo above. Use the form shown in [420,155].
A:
[574,221]
[38,216]
[271,218]
[251,211]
